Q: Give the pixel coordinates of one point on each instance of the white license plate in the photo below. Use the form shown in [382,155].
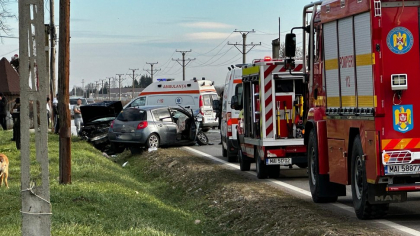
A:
[402,169]
[278,161]
[208,113]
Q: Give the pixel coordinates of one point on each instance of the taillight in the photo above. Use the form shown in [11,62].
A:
[112,124]
[229,127]
[200,104]
[142,125]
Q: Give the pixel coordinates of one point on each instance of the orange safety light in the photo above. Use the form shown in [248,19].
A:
[267,58]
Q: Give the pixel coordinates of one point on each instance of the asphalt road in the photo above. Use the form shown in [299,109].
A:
[402,217]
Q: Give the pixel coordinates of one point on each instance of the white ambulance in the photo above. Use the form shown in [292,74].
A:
[230,116]
[197,95]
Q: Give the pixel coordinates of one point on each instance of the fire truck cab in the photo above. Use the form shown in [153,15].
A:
[360,128]
[270,129]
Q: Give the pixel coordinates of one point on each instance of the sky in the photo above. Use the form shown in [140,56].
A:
[110,37]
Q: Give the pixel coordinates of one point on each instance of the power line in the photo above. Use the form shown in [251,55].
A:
[244,44]
[151,72]
[183,62]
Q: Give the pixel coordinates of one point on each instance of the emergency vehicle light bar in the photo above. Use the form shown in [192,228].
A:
[399,82]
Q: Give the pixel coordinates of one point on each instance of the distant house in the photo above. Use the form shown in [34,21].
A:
[126,94]
[9,83]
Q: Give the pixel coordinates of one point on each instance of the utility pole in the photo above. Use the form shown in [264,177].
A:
[119,82]
[109,86]
[63,93]
[102,88]
[96,89]
[183,62]
[52,51]
[134,77]
[151,72]
[243,44]
[83,87]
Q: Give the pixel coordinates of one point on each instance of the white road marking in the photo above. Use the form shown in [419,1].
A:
[307,193]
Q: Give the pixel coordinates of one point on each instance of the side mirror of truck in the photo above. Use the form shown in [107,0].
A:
[234,103]
[216,105]
[290,45]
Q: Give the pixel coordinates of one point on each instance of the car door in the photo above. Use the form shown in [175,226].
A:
[165,125]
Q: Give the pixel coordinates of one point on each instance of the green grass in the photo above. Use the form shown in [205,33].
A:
[104,198]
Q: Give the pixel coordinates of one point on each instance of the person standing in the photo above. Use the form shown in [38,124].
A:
[3,111]
[77,115]
[219,115]
[16,122]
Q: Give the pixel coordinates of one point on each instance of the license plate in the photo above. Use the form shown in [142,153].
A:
[278,161]
[402,169]
[208,113]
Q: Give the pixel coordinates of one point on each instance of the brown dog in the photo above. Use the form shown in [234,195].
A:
[4,169]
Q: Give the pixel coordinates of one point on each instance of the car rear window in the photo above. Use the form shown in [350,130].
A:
[132,115]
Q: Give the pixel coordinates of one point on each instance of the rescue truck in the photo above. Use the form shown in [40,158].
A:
[360,131]
[270,129]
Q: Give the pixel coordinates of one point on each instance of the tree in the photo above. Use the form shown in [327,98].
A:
[145,81]
[298,53]
[4,15]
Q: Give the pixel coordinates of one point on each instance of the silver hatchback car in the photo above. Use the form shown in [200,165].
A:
[152,126]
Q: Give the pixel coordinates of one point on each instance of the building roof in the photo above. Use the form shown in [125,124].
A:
[9,78]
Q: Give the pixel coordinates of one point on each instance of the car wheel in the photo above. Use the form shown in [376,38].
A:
[202,138]
[315,181]
[359,187]
[153,141]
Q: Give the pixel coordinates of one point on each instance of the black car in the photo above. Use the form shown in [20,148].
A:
[97,118]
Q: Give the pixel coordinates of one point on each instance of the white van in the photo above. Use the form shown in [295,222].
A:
[230,116]
[197,95]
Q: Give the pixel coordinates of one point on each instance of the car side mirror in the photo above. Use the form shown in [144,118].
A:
[216,105]
[290,45]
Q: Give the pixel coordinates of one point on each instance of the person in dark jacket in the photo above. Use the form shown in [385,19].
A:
[3,111]
[16,122]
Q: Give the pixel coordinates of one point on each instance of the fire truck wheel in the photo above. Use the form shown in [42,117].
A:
[244,162]
[273,172]
[315,182]
[359,187]
[261,167]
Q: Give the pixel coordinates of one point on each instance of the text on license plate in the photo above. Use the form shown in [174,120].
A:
[390,169]
[278,161]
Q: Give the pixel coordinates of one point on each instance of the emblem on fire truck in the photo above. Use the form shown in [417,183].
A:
[400,40]
[403,118]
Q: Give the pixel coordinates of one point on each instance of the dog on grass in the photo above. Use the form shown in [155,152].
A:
[4,169]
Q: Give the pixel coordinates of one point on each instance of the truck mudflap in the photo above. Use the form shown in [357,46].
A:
[378,194]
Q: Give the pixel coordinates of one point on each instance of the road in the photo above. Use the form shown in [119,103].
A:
[403,218]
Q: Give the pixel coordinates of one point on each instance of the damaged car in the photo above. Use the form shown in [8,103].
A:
[97,118]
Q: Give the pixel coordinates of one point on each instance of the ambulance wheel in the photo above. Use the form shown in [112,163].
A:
[273,172]
[261,167]
[244,162]
[359,187]
[231,156]
[315,181]
[224,151]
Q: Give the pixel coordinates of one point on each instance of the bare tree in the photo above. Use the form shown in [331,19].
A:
[5,14]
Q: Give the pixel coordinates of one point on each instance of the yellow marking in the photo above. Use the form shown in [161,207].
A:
[348,101]
[250,70]
[366,101]
[364,59]
[385,142]
[373,58]
[333,101]
[331,64]
[371,181]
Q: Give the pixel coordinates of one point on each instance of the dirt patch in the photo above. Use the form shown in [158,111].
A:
[245,205]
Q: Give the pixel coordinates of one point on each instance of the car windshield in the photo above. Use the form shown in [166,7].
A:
[132,115]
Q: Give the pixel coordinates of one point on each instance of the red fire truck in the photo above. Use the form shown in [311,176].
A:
[270,129]
[360,56]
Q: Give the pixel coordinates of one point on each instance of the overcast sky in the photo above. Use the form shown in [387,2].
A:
[110,36]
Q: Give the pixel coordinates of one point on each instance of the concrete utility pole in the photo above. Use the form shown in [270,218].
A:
[243,44]
[119,83]
[53,37]
[63,92]
[34,87]
[83,87]
[151,72]
[134,78]
[102,88]
[109,86]
[183,62]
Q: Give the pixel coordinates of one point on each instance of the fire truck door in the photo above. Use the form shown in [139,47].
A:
[337,160]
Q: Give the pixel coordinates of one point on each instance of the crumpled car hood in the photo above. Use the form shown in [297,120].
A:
[96,111]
